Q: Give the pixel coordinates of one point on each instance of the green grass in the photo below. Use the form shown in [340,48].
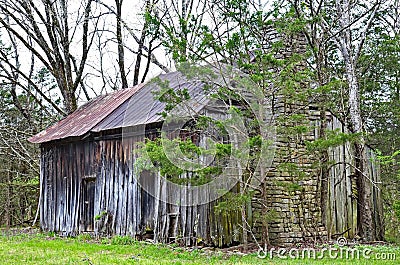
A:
[47,249]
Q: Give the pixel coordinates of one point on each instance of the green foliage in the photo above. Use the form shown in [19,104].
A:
[293,125]
[379,83]
[266,217]
[86,237]
[51,234]
[170,96]
[232,201]
[152,157]
[123,240]
[387,159]
[396,208]
[290,24]
[333,139]
[101,215]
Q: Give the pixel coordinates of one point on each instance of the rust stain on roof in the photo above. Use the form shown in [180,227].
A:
[86,117]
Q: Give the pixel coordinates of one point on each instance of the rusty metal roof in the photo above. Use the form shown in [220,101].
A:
[128,107]
[86,117]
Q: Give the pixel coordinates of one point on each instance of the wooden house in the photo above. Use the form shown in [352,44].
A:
[88,184]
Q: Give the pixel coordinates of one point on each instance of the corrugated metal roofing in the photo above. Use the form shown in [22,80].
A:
[143,108]
[86,117]
[128,107]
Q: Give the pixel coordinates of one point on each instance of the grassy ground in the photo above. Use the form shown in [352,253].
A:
[45,249]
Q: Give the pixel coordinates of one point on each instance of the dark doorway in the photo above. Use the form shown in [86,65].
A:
[87,205]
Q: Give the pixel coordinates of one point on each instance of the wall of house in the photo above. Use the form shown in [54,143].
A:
[91,186]
[341,211]
[126,209]
[66,169]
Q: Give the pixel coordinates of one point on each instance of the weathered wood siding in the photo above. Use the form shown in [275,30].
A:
[90,186]
[63,169]
[342,190]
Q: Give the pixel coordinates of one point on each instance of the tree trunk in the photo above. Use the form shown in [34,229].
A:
[121,56]
[365,212]
[350,53]
[8,202]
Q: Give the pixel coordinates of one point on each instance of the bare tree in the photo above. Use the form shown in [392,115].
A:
[43,28]
[136,44]
[121,57]
[350,51]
